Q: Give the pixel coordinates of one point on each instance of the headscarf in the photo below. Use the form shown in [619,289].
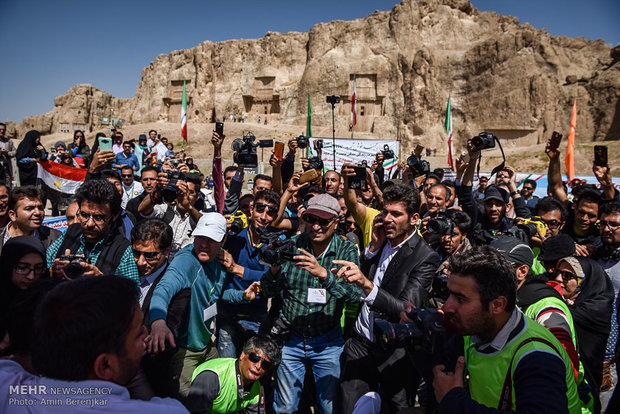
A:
[13,250]
[591,312]
[27,149]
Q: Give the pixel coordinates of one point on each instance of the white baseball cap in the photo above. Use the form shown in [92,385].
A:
[211,225]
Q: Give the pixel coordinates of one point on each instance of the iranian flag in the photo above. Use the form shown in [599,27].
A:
[448,127]
[354,102]
[184,114]
[61,178]
[309,126]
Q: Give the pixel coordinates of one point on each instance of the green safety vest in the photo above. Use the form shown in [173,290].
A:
[489,376]
[228,400]
[534,310]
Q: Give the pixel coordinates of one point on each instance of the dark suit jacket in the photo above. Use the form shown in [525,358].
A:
[408,277]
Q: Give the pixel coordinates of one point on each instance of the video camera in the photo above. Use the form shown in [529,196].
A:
[170,191]
[245,150]
[388,154]
[74,268]
[427,332]
[418,166]
[278,250]
[483,140]
[440,225]
[531,226]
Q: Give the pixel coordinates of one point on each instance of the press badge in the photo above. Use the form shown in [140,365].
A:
[209,313]
[317,295]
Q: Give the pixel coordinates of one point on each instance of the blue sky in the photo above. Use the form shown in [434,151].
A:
[50,46]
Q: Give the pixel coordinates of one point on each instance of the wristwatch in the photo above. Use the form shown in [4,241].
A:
[514,193]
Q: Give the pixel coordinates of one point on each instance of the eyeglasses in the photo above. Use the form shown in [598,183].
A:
[126,175]
[310,219]
[552,224]
[613,225]
[528,188]
[97,218]
[23,269]
[271,210]
[147,255]
[565,274]
[265,365]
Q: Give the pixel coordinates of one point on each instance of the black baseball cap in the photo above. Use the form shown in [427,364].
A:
[516,251]
[494,192]
[556,248]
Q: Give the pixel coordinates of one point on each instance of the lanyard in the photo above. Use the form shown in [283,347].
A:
[241,392]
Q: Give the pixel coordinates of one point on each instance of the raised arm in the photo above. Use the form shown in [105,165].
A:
[554,173]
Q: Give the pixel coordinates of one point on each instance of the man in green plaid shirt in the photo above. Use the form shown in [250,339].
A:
[98,235]
[313,299]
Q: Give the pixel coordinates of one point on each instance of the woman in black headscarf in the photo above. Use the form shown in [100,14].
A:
[29,152]
[22,262]
[590,295]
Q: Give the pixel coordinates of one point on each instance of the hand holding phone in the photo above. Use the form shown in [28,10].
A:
[219,128]
[105,144]
[600,155]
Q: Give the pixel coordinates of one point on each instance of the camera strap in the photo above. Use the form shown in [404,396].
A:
[497,168]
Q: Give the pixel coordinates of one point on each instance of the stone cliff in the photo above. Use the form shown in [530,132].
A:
[502,76]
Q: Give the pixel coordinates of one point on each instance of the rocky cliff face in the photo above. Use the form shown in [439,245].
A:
[508,78]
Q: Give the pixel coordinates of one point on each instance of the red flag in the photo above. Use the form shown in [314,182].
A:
[569,161]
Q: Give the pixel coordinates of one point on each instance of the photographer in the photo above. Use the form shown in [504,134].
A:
[7,151]
[494,221]
[400,267]
[454,241]
[512,363]
[312,304]
[240,258]
[97,236]
[173,202]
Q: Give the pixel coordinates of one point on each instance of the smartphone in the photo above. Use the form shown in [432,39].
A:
[359,181]
[600,155]
[279,150]
[308,176]
[554,142]
[219,128]
[105,144]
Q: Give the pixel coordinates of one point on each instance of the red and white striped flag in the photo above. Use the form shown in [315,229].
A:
[448,127]
[184,114]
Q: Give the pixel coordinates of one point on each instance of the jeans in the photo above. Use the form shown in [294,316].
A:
[322,353]
[233,331]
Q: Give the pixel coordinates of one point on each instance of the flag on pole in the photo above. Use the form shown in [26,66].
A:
[184,114]
[569,161]
[309,126]
[448,127]
[354,103]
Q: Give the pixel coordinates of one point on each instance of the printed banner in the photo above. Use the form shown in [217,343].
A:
[355,151]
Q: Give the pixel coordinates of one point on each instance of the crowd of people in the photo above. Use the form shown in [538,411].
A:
[335,291]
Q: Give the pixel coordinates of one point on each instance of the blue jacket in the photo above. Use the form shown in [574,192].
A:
[206,281]
[245,255]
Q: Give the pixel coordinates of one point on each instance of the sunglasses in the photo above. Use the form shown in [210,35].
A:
[147,255]
[310,219]
[271,210]
[566,275]
[552,224]
[126,175]
[255,358]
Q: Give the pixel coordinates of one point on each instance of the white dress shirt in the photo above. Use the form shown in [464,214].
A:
[365,319]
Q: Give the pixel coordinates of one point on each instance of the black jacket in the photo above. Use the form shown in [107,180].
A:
[408,277]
